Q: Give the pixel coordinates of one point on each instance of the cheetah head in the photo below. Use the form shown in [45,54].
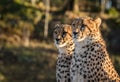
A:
[62,35]
[83,27]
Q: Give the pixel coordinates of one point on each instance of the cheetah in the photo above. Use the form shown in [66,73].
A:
[64,43]
[91,61]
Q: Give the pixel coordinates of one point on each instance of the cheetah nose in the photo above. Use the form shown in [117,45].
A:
[57,39]
[75,33]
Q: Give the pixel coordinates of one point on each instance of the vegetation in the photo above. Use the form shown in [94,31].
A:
[26,56]
[33,64]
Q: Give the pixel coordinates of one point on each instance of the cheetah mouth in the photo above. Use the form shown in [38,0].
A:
[61,44]
[75,36]
[79,39]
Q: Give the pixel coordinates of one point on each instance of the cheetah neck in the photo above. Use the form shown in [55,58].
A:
[67,50]
[86,41]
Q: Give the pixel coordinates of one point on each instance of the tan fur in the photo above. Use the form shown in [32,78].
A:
[65,45]
[91,61]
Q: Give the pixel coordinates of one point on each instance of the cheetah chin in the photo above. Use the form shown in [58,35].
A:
[61,45]
[79,39]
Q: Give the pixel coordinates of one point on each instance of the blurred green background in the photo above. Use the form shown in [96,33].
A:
[27,51]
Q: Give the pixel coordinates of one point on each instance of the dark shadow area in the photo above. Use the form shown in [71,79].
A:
[27,64]
[113,35]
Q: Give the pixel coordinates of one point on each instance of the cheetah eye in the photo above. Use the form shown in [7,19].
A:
[64,33]
[83,27]
[55,32]
[73,25]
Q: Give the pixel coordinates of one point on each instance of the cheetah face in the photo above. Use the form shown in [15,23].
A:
[62,34]
[83,27]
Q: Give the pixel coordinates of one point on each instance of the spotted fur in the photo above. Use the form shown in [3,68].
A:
[64,42]
[91,61]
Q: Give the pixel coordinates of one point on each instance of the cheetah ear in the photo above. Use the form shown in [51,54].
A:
[56,25]
[98,21]
[68,28]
